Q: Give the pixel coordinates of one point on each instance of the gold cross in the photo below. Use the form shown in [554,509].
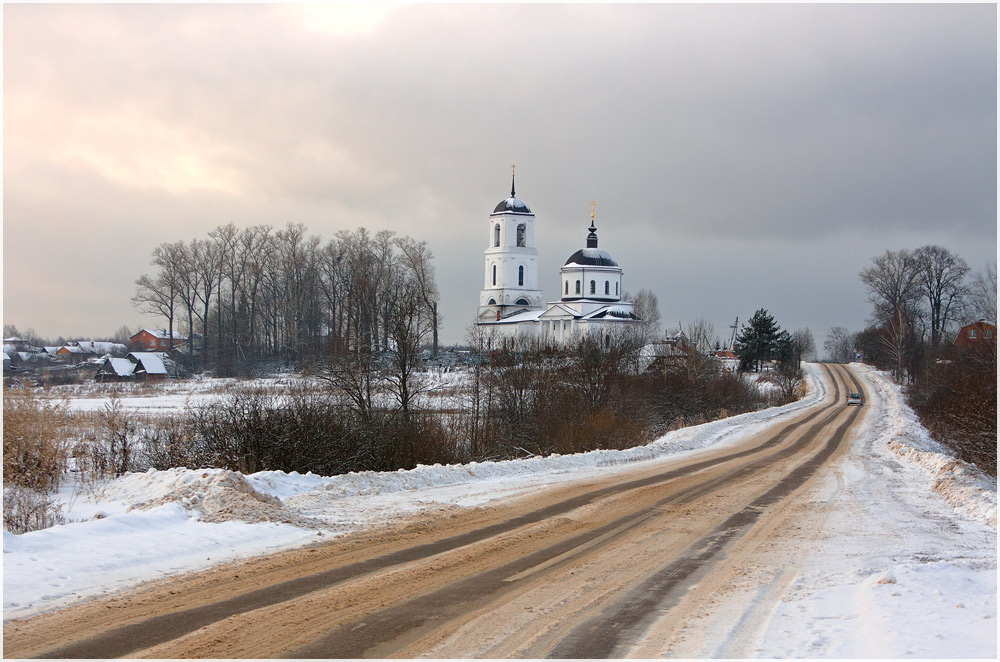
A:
[592,205]
[512,167]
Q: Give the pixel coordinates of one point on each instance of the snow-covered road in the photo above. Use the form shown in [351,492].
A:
[902,561]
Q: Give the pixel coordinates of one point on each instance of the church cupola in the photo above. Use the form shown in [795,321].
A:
[591,273]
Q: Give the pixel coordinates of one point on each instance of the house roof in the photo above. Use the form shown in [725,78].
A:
[160,333]
[71,349]
[99,347]
[151,362]
[121,367]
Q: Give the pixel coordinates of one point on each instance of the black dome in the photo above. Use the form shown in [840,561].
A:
[592,257]
[512,205]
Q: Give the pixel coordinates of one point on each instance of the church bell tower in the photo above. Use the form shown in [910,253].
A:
[511,275]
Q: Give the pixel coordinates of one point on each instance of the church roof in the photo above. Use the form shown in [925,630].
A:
[511,205]
[591,257]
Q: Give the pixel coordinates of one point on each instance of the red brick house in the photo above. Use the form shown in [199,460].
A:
[155,340]
[977,335]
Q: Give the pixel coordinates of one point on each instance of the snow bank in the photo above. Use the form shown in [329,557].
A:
[963,486]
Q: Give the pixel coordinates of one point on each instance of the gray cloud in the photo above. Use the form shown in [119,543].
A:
[741,155]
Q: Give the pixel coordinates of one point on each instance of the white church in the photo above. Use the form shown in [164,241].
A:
[511,302]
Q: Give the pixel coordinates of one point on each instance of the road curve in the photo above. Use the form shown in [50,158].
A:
[592,569]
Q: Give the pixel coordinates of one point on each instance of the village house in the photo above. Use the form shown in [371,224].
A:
[137,366]
[978,335]
[150,340]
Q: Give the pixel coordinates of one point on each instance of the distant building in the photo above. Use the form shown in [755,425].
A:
[137,366]
[977,335]
[155,340]
[510,301]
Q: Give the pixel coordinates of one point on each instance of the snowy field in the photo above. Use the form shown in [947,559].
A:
[906,566]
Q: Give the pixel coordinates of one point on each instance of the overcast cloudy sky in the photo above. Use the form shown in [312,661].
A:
[741,156]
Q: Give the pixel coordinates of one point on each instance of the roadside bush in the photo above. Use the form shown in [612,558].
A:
[26,509]
[957,403]
[34,451]
[302,431]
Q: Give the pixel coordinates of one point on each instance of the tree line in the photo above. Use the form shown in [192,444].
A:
[920,298]
[262,295]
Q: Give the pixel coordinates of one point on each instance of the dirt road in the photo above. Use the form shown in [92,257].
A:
[634,565]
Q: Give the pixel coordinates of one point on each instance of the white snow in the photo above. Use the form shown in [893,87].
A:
[906,566]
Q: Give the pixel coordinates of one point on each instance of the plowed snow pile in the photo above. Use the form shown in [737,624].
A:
[217,494]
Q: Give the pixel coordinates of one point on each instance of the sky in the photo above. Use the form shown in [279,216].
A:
[740,156]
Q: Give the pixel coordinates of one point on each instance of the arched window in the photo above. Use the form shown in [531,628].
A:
[607,287]
[593,287]
[577,287]
[566,288]
[520,276]
[520,235]
[496,236]
[522,302]
[495,273]
[492,302]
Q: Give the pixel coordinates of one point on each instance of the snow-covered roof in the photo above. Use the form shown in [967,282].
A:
[99,347]
[526,316]
[618,312]
[121,367]
[511,206]
[152,362]
[591,257]
[71,349]
[162,333]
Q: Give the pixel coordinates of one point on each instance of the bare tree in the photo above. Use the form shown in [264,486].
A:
[702,336]
[417,258]
[803,345]
[983,298]
[839,345]
[893,284]
[158,294]
[941,279]
[647,308]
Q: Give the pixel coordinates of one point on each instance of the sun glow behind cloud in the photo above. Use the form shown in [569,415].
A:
[132,148]
[342,19]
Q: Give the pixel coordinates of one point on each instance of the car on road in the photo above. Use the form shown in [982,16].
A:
[855,399]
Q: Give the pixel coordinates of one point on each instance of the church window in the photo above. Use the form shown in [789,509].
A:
[522,302]
[593,287]
[520,276]
[492,302]
[496,236]
[566,289]
[607,287]
[495,273]
[520,235]
[577,287]
[616,289]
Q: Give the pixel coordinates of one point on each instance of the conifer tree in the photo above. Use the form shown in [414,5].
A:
[757,341]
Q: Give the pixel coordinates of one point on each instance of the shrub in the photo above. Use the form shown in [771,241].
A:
[26,509]
[34,451]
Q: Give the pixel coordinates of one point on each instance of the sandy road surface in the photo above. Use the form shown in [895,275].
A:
[634,565]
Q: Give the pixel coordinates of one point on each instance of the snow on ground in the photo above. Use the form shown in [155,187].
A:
[896,561]
[899,571]
[173,397]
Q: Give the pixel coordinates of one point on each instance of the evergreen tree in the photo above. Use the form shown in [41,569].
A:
[758,341]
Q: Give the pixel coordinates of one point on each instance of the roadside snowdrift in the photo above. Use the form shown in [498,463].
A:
[963,486]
